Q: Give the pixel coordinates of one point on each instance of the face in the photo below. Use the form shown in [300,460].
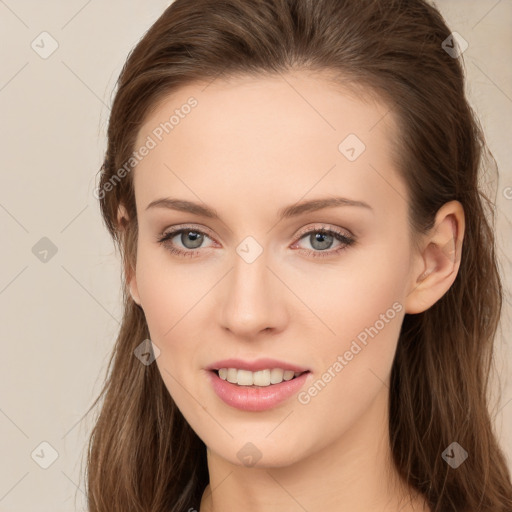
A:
[318,289]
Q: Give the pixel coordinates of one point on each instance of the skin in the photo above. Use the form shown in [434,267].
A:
[251,147]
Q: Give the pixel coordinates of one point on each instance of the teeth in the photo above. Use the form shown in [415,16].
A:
[259,378]
[276,375]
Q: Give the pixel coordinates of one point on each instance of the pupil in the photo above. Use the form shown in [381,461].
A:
[324,239]
[191,236]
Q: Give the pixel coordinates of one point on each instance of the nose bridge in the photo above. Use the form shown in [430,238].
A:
[252,300]
[250,282]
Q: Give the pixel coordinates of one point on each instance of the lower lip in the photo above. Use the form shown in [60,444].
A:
[248,398]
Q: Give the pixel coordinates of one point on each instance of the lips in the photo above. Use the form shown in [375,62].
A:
[257,365]
[255,398]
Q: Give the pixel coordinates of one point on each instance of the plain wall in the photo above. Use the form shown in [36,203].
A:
[60,316]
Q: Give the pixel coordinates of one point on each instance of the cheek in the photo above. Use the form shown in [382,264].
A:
[348,299]
[176,305]
[353,369]
[364,311]
[168,291]
[170,296]
[366,319]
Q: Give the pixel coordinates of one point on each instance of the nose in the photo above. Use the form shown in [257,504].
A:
[253,299]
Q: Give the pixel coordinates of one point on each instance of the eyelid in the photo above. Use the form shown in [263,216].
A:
[324,227]
[191,227]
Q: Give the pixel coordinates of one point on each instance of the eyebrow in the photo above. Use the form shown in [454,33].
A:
[285,213]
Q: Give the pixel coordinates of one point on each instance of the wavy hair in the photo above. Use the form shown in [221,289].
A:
[142,454]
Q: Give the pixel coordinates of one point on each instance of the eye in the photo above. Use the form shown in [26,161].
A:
[189,237]
[322,239]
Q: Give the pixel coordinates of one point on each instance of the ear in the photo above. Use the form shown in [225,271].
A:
[131,278]
[437,263]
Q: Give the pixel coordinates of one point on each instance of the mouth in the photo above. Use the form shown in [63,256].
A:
[256,391]
[259,379]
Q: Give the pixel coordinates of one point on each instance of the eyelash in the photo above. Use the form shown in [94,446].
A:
[164,238]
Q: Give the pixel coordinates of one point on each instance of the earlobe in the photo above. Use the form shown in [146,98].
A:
[437,266]
[122,217]
[122,220]
[131,279]
[134,291]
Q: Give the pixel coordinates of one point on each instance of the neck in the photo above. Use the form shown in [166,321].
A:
[355,474]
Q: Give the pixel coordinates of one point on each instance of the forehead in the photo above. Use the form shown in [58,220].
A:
[297,102]
[260,133]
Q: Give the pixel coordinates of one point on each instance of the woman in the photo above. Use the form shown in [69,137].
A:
[311,285]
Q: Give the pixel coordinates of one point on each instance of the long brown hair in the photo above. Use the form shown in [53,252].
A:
[142,454]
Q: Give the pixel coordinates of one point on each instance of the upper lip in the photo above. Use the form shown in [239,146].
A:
[254,366]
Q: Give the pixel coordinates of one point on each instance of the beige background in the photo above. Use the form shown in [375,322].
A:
[60,317]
